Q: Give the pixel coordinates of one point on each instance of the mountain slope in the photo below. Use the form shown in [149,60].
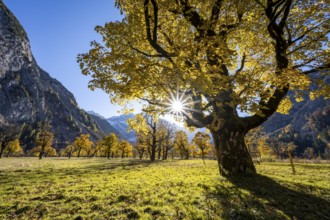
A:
[307,124]
[28,95]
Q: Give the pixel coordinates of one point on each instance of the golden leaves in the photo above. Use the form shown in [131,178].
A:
[285,106]
[127,66]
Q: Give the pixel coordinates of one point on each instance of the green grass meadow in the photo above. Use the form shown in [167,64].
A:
[59,188]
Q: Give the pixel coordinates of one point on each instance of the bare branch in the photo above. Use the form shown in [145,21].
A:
[317,69]
[305,63]
[308,43]
[308,31]
[152,55]
[259,3]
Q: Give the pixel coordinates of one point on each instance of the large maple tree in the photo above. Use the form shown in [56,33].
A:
[220,57]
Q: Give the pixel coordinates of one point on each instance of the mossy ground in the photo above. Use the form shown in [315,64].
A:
[97,188]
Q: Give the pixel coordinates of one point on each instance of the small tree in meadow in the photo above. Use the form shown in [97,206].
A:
[124,148]
[181,144]
[97,148]
[14,148]
[264,150]
[69,150]
[82,143]
[43,141]
[290,150]
[140,149]
[202,141]
[109,144]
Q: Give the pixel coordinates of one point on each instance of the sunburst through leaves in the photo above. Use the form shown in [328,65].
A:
[177,106]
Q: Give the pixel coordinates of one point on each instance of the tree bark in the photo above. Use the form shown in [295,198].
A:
[291,163]
[159,152]
[163,152]
[232,153]
[187,154]
[153,154]
[2,149]
[166,153]
[141,152]
[42,152]
[203,158]
[153,146]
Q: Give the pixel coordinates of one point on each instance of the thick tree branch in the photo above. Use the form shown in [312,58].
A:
[288,4]
[152,37]
[242,64]
[215,13]
[276,13]
[266,109]
[155,6]
[193,17]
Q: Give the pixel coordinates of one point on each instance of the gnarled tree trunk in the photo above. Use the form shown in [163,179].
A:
[232,153]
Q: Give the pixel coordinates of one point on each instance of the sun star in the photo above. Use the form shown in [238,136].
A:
[177,106]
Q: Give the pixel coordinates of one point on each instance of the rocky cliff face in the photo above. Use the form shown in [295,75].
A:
[28,95]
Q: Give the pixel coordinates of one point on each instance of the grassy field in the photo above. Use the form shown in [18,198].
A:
[133,189]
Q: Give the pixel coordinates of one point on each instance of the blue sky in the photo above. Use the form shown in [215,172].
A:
[58,31]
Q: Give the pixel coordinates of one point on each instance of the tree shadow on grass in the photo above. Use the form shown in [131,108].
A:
[107,166]
[45,173]
[125,164]
[260,197]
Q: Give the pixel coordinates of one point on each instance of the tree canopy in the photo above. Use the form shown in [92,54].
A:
[254,50]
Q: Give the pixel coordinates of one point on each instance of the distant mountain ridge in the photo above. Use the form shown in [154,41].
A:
[120,123]
[102,122]
[29,96]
